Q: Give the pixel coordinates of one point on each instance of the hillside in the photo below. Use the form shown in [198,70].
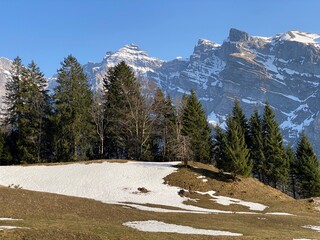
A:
[134,195]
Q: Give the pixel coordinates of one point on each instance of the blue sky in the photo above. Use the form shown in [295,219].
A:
[47,31]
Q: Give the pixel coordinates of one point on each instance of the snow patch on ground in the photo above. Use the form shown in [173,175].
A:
[10,219]
[156,226]
[226,201]
[312,227]
[10,227]
[115,183]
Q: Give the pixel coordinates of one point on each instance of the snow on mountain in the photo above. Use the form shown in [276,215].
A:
[283,70]
[5,66]
[137,59]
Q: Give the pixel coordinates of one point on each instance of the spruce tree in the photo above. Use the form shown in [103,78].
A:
[219,148]
[292,174]
[236,151]
[307,169]
[32,141]
[196,127]
[256,144]
[71,118]
[239,116]
[128,123]
[276,165]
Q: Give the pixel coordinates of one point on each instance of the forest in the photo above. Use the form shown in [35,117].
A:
[133,119]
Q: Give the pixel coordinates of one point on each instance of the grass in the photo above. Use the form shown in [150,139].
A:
[52,216]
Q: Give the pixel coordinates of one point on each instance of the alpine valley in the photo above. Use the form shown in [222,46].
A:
[283,70]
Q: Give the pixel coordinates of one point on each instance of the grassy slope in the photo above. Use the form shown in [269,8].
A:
[51,216]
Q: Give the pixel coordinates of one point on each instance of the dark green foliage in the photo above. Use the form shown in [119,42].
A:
[239,116]
[306,169]
[128,122]
[236,152]
[292,174]
[196,127]
[26,115]
[276,167]
[71,119]
[219,148]
[255,145]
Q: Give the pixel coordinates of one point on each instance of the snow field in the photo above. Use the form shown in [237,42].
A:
[116,183]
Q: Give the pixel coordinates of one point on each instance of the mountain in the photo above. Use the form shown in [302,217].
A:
[283,70]
[5,66]
[136,58]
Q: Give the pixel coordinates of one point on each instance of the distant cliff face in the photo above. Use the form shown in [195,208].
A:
[5,66]
[283,70]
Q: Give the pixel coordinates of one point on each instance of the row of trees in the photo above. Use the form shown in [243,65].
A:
[131,120]
[124,120]
[255,147]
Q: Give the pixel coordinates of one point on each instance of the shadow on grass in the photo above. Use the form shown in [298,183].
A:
[219,176]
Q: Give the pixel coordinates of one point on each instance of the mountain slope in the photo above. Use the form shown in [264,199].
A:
[283,70]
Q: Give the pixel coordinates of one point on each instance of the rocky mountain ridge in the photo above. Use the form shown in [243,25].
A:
[283,70]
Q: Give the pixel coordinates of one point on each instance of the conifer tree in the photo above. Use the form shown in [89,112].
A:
[239,116]
[12,98]
[276,167]
[236,151]
[128,123]
[292,174]
[307,169]
[256,144]
[219,148]
[71,118]
[196,127]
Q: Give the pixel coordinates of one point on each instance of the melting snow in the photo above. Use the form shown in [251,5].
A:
[114,183]
[156,226]
[315,228]
[228,201]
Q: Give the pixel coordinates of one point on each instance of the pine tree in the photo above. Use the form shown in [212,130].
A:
[196,127]
[276,167]
[307,169]
[71,119]
[128,123]
[256,144]
[236,151]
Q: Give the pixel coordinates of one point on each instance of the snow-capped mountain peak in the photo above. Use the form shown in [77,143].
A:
[299,36]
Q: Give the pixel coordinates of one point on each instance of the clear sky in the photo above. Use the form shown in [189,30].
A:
[49,30]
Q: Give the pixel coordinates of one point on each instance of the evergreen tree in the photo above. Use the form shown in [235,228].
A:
[31,141]
[307,169]
[236,151]
[196,127]
[219,148]
[292,174]
[71,118]
[239,116]
[276,165]
[256,144]
[128,123]
[12,98]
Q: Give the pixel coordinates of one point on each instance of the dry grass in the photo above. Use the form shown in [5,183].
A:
[51,216]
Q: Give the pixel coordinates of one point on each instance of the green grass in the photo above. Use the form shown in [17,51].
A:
[51,216]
